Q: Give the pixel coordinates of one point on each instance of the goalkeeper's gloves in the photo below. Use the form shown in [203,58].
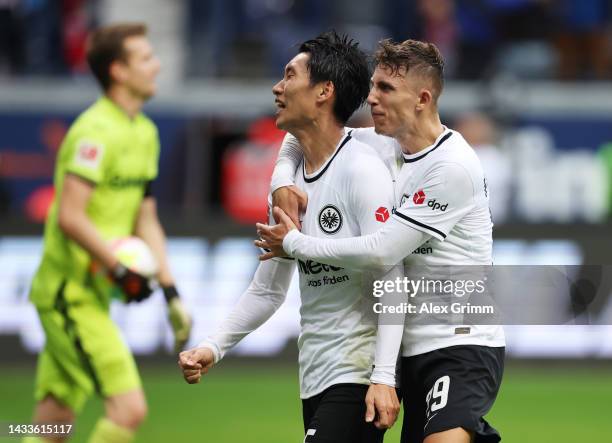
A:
[179,318]
[135,287]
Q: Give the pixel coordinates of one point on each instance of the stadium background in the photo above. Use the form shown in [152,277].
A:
[528,85]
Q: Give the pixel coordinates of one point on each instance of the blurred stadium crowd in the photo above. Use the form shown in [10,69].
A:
[558,39]
[547,150]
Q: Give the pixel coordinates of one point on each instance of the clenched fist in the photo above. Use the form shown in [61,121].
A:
[195,363]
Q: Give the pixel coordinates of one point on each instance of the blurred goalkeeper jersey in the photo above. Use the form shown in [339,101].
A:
[117,154]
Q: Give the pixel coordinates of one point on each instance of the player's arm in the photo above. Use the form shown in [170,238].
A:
[382,403]
[376,251]
[149,228]
[85,161]
[76,224]
[371,199]
[263,297]
[380,250]
[410,226]
[289,158]
[282,185]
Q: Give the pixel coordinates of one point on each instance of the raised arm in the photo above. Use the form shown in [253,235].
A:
[289,158]
[412,224]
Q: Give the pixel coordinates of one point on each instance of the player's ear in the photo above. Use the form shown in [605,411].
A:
[117,71]
[425,99]
[325,90]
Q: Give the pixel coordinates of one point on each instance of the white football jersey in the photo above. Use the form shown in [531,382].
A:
[442,191]
[350,195]
[387,148]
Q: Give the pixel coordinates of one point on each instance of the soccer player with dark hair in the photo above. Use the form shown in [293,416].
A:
[103,177]
[346,183]
[450,374]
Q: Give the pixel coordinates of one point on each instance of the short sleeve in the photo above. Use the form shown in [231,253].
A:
[436,204]
[86,157]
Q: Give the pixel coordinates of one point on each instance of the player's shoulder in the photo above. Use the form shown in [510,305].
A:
[361,159]
[381,143]
[88,118]
[147,124]
[369,136]
[454,155]
[94,122]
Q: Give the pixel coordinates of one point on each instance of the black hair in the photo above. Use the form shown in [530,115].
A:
[338,59]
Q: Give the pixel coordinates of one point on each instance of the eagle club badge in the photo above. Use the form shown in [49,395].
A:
[330,219]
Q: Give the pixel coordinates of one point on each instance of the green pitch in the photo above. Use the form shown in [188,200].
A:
[242,402]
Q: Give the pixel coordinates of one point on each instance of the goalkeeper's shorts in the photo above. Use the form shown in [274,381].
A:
[84,351]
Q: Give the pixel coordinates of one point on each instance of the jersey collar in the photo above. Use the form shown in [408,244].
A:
[409,158]
[115,110]
[309,178]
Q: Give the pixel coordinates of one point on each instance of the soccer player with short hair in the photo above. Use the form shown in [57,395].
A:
[450,374]
[346,183]
[103,177]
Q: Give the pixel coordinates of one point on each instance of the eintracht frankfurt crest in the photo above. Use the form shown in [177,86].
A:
[330,219]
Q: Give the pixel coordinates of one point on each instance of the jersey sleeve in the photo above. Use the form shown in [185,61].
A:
[258,303]
[87,154]
[372,202]
[289,158]
[434,206]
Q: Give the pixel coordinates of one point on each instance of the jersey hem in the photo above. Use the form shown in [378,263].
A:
[498,343]
[360,381]
[70,170]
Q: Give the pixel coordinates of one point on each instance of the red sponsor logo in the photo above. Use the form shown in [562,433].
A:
[89,152]
[419,197]
[382,214]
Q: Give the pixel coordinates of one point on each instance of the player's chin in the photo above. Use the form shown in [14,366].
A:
[380,129]
[149,92]
[280,122]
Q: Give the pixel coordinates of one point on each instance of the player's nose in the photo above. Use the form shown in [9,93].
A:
[372,99]
[277,89]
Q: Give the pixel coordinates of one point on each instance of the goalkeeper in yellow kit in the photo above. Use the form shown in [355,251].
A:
[103,181]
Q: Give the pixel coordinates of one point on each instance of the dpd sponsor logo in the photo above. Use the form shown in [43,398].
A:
[433,204]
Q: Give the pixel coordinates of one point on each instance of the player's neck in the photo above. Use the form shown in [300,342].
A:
[318,143]
[421,135]
[129,103]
